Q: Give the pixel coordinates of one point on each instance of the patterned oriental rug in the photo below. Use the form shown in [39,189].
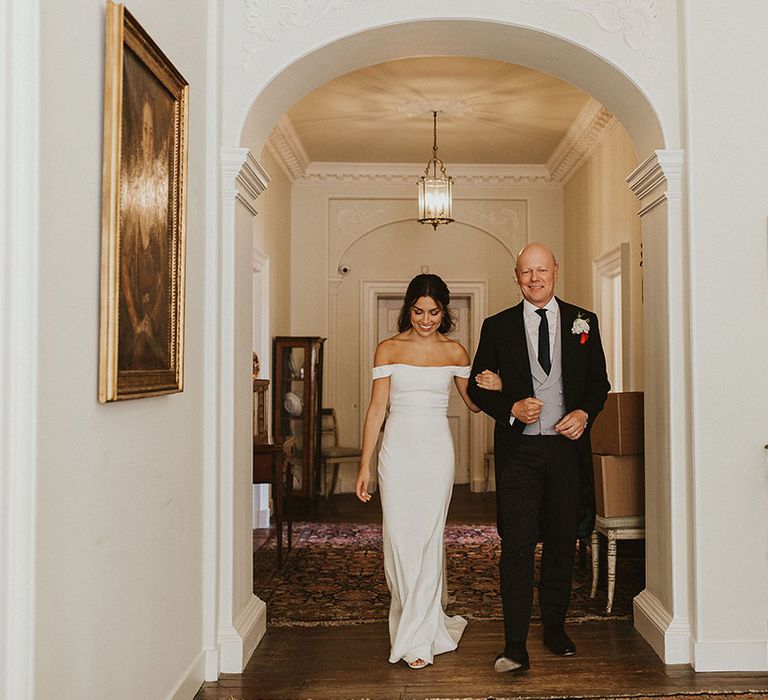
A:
[334,575]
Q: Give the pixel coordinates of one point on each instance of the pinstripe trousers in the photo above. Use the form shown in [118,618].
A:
[537,499]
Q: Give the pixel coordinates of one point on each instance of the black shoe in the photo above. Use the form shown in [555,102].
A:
[558,642]
[512,661]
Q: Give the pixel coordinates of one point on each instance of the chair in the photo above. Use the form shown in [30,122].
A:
[631,527]
[331,453]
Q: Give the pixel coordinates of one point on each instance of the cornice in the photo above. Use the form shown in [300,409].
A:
[242,175]
[232,160]
[409,173]
[286,147]
[660,167]
[588,131]
[252,177]
[657,178]
[591,126]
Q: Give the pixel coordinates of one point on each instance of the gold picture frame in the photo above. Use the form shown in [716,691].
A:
[141,339]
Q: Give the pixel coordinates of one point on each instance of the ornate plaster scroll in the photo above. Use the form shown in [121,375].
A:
[268,21]
[635,20]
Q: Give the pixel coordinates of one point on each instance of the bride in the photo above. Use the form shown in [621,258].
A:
[412,373]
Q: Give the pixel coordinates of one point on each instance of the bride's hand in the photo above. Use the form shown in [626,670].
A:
[489,380]
[361,485]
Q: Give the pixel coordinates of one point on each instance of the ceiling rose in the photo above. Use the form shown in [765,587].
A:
[454,108]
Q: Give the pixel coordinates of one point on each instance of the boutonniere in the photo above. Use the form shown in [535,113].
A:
[580,327]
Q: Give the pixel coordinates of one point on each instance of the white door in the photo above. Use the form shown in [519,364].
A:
[387,311]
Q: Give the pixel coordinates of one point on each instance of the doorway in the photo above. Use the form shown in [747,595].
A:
[657,184]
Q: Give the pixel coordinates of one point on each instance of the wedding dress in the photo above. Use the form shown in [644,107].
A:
[416,471]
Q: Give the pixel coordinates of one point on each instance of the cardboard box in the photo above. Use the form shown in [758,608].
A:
[619,485]
[618,428]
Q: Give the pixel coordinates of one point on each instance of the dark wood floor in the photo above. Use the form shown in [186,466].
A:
[351,661]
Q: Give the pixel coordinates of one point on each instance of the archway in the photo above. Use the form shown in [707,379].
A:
[661,610]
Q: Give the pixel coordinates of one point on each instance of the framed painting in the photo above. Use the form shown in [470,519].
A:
[141,343]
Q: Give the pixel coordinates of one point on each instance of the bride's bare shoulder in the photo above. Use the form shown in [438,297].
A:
[456,353]
[386,350]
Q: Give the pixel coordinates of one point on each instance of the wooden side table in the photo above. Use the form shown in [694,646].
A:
[630,527]
[272,465]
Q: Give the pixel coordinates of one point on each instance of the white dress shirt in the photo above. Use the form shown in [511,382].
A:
[532,321]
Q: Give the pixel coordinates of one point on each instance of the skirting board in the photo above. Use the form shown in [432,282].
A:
[191,681]
[669,638]
[237,646]
[211,662]
[730,656]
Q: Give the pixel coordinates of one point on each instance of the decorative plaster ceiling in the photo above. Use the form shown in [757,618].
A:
[490,112]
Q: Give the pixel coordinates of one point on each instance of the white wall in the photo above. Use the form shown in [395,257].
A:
[600,212]
[272,236]
[726,100]
[120,487]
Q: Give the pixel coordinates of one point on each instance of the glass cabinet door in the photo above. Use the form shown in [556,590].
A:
[292,394]
[296,407]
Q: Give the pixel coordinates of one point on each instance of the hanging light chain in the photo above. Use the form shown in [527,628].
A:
[435,192]
[434,142]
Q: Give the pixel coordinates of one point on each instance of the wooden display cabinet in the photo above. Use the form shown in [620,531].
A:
[297,391]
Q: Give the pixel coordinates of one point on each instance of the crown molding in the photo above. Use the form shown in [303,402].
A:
[409,173]
[252,177]
[242,177]
[657,179]
[286,147]
[590,128]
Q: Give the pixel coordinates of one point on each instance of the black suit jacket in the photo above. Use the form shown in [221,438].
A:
[504,350]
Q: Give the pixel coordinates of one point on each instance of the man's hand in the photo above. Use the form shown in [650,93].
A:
[572,425]
[527,410]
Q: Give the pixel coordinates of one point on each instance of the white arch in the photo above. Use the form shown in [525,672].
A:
[389,222]
[448,37]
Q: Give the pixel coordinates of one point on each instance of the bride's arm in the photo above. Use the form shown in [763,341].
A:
[461,358]
[485,380]
[374,418]
[461,385]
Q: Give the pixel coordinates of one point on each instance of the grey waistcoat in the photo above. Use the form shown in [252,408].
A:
[547,388]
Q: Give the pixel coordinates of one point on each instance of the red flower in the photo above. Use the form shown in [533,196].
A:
[583,338]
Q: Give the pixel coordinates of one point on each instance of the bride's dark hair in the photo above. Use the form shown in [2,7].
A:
[427,286]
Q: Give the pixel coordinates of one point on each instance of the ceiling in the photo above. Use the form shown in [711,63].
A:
[489,112]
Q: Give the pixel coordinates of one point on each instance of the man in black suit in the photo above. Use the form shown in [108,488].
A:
[551,365]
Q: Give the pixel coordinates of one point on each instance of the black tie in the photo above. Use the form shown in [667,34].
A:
[544,361]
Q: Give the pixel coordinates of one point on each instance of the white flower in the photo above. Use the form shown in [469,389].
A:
[580,325]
